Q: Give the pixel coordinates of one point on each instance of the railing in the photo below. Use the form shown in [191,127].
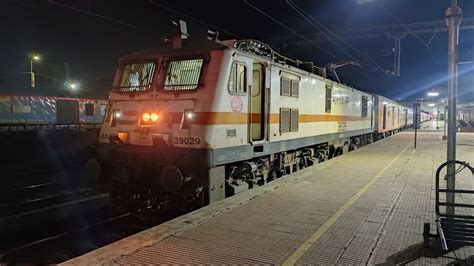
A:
[455,229]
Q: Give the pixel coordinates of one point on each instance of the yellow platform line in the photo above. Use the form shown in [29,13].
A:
[323,228]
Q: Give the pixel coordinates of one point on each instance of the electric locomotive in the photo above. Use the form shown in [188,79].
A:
[207,120]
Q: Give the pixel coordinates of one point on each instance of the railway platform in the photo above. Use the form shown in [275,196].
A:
[366,207]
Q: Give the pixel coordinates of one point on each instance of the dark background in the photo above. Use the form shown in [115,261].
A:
[62,31]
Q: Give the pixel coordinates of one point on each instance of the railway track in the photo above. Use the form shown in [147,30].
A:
[49,222]
[72,236]
[39,196]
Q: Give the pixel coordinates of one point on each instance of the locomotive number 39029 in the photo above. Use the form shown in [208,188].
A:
[187,140]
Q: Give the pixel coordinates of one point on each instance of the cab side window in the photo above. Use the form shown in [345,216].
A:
[238,79]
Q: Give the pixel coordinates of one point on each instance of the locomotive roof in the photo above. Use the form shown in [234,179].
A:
[188,46]
[196,45]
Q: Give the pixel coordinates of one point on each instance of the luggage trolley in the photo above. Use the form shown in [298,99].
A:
[453,230]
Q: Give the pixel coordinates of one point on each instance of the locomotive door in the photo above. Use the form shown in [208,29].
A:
[257,103]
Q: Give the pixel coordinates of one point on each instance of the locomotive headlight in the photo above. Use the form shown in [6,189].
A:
[145,117]
[154,117]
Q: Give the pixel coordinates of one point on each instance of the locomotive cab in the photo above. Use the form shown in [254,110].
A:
[155,135]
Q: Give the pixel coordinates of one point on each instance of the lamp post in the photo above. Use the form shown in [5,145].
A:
[33,57]
[435,93]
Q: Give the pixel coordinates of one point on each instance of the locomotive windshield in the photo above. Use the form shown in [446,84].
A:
[183,74]
[136,77]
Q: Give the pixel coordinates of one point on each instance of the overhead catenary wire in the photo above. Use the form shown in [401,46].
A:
[324,30]
[408,29]
[130,25]
[195,19]
[297,34]
[288,28]
[89,12]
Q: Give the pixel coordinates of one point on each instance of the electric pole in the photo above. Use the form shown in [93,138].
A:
[453,20]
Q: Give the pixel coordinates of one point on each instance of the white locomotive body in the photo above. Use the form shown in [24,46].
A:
[204,122]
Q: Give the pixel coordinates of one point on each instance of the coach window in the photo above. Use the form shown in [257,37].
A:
[328,98]
[238,79]
[364,106]
[102,109]
[89,109]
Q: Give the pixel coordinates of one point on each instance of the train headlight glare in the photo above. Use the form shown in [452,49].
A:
[146,117]
[154,117]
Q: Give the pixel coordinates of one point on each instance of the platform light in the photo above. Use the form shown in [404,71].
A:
[431,104]
[385,103]
[433,94]
[73,86]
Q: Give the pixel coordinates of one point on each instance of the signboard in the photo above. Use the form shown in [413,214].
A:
[416,116]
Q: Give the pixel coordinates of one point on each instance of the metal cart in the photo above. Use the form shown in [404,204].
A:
[452,230]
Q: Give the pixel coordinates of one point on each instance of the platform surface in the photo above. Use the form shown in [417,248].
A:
[365,207]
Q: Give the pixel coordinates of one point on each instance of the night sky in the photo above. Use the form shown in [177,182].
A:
[92,44]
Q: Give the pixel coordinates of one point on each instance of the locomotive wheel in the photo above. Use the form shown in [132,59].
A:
[171,179]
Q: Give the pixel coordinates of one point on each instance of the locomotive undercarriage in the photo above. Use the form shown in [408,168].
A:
[149,180]
[258,171]
[180,179]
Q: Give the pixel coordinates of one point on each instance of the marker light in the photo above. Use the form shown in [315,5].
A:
[154,117]
[118,114]
[189,115]
[146,117]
